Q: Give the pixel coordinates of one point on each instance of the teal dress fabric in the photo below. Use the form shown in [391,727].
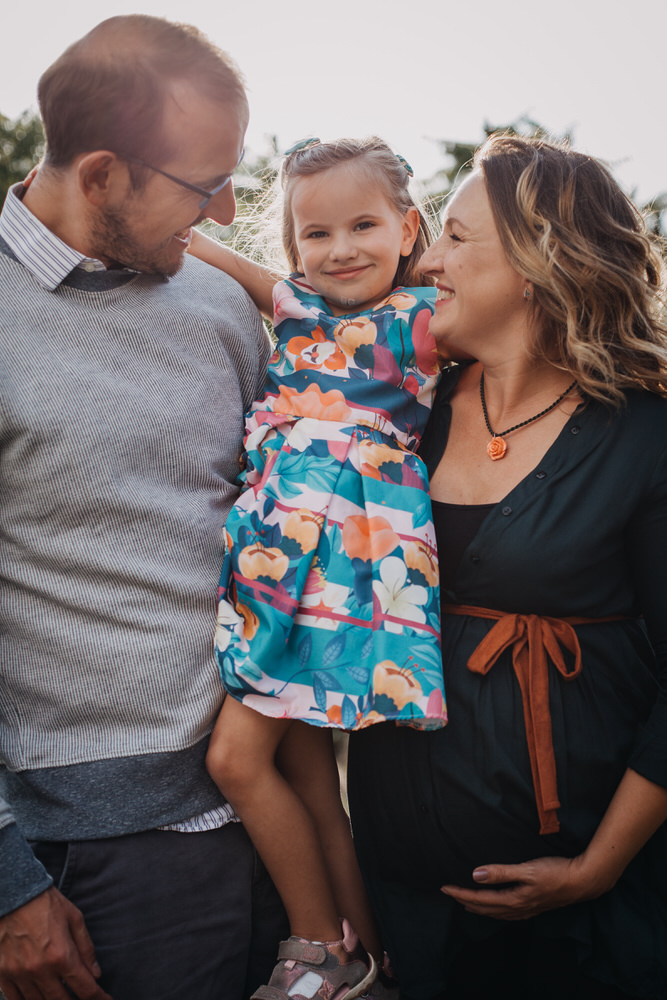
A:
[583,535]
[329,606]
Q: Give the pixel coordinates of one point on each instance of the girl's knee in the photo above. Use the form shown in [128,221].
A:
[223,764]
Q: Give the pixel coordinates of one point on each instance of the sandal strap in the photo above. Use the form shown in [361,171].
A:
[301,951]
[269,993]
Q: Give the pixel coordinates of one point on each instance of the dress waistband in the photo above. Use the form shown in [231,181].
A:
[532,639]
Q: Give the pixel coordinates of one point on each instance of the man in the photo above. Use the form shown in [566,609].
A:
[125,369]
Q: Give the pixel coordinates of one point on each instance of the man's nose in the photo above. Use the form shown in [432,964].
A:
[222,206]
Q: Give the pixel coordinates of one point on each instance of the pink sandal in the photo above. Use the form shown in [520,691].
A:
[336,970]
[385,986]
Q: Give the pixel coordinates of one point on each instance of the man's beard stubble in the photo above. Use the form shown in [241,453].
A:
[116,246]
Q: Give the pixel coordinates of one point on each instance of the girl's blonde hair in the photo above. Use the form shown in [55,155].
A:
[598,277]
[383,168]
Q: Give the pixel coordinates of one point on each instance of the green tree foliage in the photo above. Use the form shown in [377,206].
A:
[656,215]
[21,147]
[253,183]
[459,156]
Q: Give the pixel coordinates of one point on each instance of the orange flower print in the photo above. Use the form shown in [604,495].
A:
[312,402]
[418,556]
[397,683]
[368,537]
[373,455]
[256,561]
[372,718]
[335,715]
[400,300]
[350,334]
[250,621]
[304,527]
[316,351]
[228,622]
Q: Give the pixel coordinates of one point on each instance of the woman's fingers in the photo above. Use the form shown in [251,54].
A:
[523,890]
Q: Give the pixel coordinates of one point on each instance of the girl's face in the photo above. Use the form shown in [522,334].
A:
[480,295]
[349,237]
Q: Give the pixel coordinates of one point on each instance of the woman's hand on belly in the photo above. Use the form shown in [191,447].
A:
[527,889]
[635,812]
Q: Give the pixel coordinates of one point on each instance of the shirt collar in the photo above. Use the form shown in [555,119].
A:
[43,253]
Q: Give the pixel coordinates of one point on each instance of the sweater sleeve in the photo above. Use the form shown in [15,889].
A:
[237,321]
[648,554]
[22,877]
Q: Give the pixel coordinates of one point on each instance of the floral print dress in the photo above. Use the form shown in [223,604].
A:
[329,599]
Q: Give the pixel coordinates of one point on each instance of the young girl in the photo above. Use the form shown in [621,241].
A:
[329,604]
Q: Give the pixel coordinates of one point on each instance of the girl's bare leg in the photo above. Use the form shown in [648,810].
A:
[306,758]
[241,760]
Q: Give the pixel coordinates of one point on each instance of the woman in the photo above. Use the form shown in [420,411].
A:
[520,851]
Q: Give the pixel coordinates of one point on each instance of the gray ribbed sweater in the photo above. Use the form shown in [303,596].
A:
[121,417]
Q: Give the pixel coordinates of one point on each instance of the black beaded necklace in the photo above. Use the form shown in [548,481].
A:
[497,447]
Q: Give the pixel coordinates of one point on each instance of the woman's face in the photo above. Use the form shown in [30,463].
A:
[480,296]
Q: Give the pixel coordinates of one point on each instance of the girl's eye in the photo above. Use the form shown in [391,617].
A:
[455,238]
[365,225]
[317,234]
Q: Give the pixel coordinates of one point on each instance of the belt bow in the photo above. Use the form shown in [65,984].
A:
[534,640]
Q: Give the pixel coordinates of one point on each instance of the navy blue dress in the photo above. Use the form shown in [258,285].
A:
[584,534]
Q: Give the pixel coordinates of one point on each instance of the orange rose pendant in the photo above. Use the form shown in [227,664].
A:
[496,448]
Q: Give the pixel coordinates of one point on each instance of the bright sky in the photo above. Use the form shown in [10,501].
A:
[410,71]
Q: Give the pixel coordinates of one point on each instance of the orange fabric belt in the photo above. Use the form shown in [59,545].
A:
[534,641]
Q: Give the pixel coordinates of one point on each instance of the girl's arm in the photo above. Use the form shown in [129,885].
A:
[257,280]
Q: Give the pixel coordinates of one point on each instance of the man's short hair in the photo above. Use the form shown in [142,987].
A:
[108,90]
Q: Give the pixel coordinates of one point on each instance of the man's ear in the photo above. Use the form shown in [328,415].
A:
[100,174]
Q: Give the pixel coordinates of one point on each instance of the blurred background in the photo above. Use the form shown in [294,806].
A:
[431,77]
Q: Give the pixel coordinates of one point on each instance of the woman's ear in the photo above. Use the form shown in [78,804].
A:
[410,231]
[99,175]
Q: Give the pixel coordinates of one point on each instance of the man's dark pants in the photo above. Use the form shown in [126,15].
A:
[173,916]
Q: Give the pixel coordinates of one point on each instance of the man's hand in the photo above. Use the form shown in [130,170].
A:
[43,945]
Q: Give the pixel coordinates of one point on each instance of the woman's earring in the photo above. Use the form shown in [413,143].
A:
[526,293]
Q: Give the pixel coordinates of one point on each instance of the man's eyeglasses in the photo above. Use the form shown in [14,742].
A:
[205,195]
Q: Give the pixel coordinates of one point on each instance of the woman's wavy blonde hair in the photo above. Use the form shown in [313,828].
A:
[384,170]
[598,277]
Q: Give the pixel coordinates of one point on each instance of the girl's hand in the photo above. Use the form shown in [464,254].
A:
[30,176]
[535,886]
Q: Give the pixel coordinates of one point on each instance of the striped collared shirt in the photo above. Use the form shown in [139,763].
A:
[44,254]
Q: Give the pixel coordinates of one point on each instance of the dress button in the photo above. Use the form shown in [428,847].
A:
[474,558]
[541,474]
[506,511]
[575,429]
[89,267]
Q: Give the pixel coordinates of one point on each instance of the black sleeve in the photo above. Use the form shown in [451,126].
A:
[648,548]
[437,429]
